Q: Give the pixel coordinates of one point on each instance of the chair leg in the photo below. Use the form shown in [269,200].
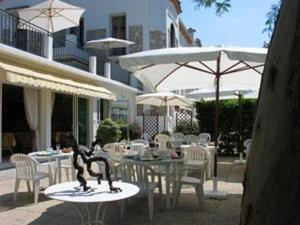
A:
[150,202]
[36,190]
[176,193]
[17,184]
[200,195]
[55,175]
[67,174]
[28,187]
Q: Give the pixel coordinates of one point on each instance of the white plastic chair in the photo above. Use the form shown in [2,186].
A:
[115,152]
[190,139]
[140,141]
[26,169]
[178,139]
[138,147]
[144,177]
[163,141]
[204,139]
[247,145]
[195,159]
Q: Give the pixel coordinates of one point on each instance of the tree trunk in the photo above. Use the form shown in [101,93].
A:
[272,177]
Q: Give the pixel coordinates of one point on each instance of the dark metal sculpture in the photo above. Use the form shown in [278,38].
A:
[68,141]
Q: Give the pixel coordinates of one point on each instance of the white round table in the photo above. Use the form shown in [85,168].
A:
[71,192]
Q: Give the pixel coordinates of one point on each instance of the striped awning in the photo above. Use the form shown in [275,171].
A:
[30,77]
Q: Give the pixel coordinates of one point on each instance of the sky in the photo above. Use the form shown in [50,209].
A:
[241,26]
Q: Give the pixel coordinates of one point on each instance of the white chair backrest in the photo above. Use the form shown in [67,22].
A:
[140,141]
[195,156]
[138,147]
[25,166]
[247,145]
[137,173]
[147,137]
[162,141]
[190,138]
[98,150]
[204,139]
[178,136]
[115,152]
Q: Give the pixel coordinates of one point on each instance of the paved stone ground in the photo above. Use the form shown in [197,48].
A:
[46,212]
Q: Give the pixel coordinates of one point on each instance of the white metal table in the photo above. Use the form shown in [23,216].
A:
[58,157]
[72,193]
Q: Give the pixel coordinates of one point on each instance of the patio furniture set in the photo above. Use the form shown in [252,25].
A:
[131,163]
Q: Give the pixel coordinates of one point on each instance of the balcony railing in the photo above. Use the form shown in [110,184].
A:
[28,37]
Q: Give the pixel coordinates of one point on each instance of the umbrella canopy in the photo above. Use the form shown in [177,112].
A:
[52,15]
[108,43]
[208,94]
[163,99]
[192,67]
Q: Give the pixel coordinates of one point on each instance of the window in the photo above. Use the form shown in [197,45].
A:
[79,32]
[118,30]
[119,111]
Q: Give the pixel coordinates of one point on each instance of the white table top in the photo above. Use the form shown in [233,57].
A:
[58,155]
[72,192]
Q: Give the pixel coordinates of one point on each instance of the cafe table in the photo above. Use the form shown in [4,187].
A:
[57,156]
[167,164]
[72,193]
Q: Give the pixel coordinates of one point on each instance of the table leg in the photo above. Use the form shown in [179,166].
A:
[79,212]
[86,220]
[73,171]
[168,200]
[58,164]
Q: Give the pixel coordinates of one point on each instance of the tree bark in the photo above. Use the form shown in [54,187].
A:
[272,177]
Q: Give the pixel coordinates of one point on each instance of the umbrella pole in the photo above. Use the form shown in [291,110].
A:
[165,114]
[215,187]
[215,194]
[240,148]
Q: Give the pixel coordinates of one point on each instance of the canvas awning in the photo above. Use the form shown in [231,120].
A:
[19,75]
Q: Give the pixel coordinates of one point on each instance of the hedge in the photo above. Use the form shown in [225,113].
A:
[228,117]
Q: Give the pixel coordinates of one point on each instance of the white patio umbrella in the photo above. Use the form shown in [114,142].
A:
[164,99]
[105,44]
[192,67]
[209,94]
[108,43]
[52,16]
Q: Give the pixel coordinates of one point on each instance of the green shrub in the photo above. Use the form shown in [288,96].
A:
[166,133]
[134,132]
[187,128]
[228,116]
[108,132]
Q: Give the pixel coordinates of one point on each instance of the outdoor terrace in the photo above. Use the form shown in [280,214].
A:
[25,36]
[215,212]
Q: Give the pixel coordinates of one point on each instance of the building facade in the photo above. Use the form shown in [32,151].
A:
[151,24]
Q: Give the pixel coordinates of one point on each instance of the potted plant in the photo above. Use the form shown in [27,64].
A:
[108,132]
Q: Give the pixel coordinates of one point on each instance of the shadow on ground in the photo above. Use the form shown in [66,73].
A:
[216,212]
